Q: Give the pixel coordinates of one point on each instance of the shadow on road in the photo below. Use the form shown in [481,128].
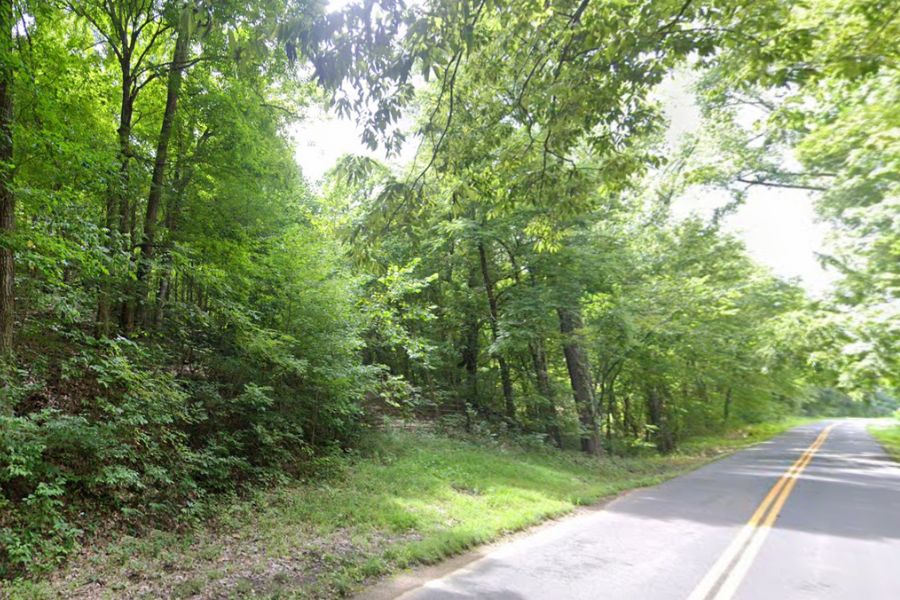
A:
[850,489]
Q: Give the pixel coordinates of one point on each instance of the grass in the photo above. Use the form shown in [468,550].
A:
[409,498]
[889,436]
[742,437]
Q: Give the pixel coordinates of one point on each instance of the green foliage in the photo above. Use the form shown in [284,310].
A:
[824,91]
[829,402]
[125,448]
[889,436]
[192,318]
[403,499]
[228,355]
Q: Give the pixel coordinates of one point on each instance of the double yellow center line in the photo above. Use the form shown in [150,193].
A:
[722,581]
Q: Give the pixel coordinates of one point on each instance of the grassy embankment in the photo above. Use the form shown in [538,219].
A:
[408,499]
[889,436]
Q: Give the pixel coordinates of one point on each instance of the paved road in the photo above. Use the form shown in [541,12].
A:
[829,529]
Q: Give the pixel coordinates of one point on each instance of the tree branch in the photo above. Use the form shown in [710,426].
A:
[777,184]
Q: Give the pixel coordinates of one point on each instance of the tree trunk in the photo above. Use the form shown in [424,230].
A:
[627,418]
[164,290]
[122,201]
[656,415]
[7,198]
[545,389]
[470,359]
[580,377]
[157,181]
[612,408]
[726,408]
[541,374]
[505,378]
[117,204]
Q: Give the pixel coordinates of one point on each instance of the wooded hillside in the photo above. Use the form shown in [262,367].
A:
[183,314]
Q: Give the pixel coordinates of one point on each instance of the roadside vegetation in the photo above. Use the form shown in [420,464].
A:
[404,498]
[889,437]
[187,322]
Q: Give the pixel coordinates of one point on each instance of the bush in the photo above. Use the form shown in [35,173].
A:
[133,430]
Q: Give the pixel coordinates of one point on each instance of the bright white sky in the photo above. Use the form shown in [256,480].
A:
[778,226]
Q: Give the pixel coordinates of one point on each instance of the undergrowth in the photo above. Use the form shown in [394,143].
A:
[403,498]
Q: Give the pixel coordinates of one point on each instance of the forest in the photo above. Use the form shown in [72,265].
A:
[185,315]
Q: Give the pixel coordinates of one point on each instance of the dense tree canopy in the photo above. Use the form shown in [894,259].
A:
[183,313]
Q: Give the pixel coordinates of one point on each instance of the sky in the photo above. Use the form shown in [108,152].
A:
[778,226]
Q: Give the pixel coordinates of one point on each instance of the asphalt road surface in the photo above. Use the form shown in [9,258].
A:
[814,513]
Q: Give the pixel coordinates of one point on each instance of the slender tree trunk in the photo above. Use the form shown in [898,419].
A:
[545,389]
[120,204]
[654,410]
[7,198]
[627,418]
[172,213]
[470,350]
[117,205]
[580,377]
[157,181]
[600,399]
[470,359]
[612,409]
[541,374]
[726,408]
[162,299]
[656,415]
[124,204]
[505,378]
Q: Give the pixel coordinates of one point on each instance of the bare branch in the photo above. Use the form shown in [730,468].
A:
[160,29]
[778,184]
